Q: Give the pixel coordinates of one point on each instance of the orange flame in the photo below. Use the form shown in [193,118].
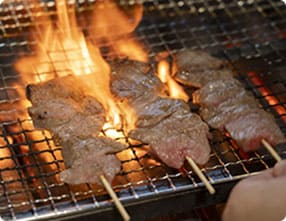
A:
[11,173]
[175,90]
[62,49]
[112,25]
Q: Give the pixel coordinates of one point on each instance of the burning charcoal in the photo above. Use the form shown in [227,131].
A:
[196,68]
[11,189]
[167,124]
[225,104]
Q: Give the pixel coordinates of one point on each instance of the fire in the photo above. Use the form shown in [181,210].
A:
[63,49]
[175,90]
[113,26]
[266,93]
[11,174]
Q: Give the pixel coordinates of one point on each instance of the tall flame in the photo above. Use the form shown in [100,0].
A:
[112,25]
[63,49]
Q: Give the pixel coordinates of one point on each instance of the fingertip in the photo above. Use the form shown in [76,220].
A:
[280,169]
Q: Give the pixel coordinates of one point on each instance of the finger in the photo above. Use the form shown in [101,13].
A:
[280,169]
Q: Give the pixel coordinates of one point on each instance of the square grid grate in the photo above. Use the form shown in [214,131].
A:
[249,34]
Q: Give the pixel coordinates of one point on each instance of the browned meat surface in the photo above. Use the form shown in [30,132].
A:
[65,107]
[172,131]
[156,110]
[197,68]
[217,92]
[91,158]
[223,99]
[133,79]
[249,129]
[225,104]
[180,135]
[137,87]
[197,60]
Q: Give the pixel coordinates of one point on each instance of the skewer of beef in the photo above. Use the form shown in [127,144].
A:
[167,125]
[225,104]
[75,118]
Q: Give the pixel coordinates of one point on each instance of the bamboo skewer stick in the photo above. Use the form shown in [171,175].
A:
[201,175]
[271,150]
[116,201]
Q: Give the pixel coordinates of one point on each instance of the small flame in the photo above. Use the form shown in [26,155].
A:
[164,71]
[175,90]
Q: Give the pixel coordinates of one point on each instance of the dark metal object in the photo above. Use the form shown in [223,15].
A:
[249,34]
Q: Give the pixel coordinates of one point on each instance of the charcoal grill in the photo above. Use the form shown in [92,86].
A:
[250,34]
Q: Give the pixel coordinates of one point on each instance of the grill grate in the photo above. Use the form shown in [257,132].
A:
[250,34]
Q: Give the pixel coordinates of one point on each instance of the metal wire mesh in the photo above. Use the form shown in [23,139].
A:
[249,34]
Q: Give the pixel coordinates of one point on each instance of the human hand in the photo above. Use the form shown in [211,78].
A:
[261,197]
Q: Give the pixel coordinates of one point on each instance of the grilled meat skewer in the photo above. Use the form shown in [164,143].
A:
[61,104]
[65,107]
[197,68]
[239,113]
[172,131]
[225,104]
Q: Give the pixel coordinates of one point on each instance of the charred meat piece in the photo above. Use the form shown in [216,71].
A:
[90,158]
[65,107]
[172,131]
[197,68]
[134,85]
[131,79]
[180,135]
[156,110]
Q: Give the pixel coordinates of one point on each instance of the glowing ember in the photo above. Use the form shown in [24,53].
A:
[266,93]
[175,90]
[11,174]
